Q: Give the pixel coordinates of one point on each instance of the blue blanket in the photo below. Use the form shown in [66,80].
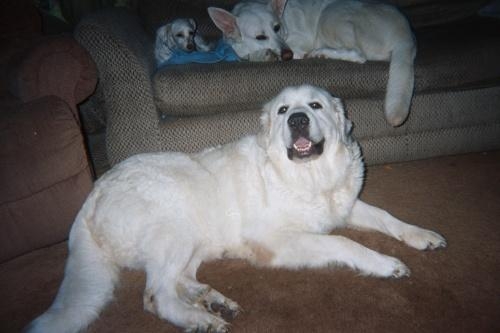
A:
[222,52]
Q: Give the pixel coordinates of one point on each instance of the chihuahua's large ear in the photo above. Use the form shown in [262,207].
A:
[193,24]
[225,21]
[278,6]
[162,32]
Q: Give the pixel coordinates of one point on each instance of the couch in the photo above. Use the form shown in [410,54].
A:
[189,107]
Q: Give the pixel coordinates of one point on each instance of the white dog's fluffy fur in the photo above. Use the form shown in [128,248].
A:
[272,199]
[350,30]
[179,34]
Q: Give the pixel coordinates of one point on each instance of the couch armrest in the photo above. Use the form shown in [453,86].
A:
[55,65]
[44,174]
[123,52]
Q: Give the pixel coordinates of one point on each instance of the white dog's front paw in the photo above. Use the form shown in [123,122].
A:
[395,268]
[423,239]
[214,325]
[228,310]
[263,56]
[385,266]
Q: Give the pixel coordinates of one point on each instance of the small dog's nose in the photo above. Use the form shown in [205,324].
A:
[190,47]
[286,54]
[298,120]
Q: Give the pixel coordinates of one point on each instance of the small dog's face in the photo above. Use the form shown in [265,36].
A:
[180,34]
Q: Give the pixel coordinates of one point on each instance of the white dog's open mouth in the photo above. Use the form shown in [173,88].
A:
[303,147]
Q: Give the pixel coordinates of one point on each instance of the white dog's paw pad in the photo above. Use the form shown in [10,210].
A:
[219,326]
[423,239]
[227,311]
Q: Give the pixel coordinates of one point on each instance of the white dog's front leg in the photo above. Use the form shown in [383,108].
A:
[298,249]
[340,54]
[369,217]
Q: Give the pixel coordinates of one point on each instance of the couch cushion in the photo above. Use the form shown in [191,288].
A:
[194,89]
[44,174]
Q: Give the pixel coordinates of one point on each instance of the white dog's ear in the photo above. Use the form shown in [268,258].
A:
[225,21]
[278,6]
[347,124]
[265,128]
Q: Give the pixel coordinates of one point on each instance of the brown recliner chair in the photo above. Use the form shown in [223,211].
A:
[44,170]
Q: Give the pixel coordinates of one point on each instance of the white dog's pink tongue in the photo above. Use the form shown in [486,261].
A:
[302,144]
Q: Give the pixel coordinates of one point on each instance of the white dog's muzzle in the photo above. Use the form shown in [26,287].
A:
[302,144]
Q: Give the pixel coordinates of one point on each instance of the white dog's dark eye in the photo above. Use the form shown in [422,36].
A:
[283,109]
[191,33]
[179,35]
[261,37]
[315,105]
[276,27]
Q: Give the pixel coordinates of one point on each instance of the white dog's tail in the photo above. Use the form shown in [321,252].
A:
[400,85]
[87,286]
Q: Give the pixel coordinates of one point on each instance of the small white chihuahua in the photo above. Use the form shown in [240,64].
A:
[178,35]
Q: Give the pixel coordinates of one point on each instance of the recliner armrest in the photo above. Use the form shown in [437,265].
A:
[54,65]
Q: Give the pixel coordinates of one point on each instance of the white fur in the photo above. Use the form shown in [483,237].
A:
[349,30]
[166,213]
[180,34]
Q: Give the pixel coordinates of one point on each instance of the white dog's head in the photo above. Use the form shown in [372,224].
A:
[179,34]
[254,30]
[302,123]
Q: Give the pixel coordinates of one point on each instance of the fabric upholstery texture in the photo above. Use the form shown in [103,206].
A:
[181,90]
[44,174]
[44,170]
[54,65]
[450,290]
[191,107]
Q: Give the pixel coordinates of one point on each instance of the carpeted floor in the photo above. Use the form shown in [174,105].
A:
[452,290]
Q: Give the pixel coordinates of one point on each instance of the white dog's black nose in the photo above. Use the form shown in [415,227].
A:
[298,120]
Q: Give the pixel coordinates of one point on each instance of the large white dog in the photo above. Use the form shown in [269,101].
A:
[272,199]
[350,30]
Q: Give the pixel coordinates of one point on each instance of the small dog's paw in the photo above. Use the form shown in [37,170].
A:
[423,239]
